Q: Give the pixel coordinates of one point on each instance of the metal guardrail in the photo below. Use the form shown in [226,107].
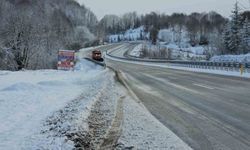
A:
[226,66]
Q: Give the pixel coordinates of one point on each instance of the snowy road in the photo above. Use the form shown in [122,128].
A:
[207,111]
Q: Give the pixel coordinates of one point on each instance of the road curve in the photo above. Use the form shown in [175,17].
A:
[206,111]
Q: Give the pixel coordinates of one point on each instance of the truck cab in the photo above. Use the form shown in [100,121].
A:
[97,55]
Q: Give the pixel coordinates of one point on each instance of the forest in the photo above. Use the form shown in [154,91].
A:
[224,35]
[32,31]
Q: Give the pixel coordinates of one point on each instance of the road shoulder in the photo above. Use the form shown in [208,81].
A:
[141,130]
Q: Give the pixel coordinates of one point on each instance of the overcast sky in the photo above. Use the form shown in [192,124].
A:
[119,7]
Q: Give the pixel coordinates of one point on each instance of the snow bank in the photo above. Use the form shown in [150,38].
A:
[232,58]
[141,130]
[28,99]
[137,51]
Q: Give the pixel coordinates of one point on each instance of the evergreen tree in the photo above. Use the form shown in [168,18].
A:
[245,36]
[154,35]
[226,37]
[141,35]
[235,26]
[119,38]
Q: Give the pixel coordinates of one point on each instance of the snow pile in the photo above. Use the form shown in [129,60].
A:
[232,58]
[37,108]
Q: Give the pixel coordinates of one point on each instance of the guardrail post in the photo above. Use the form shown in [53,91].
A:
[241,69]
[248,67]
[227,66]
[234,66]
[237,66]
[216,65]
[231,66]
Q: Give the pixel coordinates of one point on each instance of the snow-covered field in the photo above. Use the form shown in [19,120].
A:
[38,108]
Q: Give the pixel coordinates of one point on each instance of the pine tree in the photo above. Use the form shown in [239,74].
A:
[235,37]
[154,35]
[119,38]
[245,36]
[226,37]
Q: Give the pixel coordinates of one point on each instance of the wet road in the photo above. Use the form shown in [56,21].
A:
[206,111]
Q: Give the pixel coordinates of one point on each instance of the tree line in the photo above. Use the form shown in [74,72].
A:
[196,23]
[223,35]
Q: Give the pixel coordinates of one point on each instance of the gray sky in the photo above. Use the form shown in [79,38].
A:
[119,7]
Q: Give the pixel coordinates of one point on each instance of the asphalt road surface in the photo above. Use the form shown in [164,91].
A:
[206,111]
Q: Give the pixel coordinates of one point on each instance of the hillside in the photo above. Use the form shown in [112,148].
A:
[32,31]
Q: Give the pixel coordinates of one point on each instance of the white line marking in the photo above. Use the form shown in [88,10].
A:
[204,86]
[167,82]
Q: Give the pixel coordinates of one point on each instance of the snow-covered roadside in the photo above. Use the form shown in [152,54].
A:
[177,67]
[232,58]
[137,51]
[39,108]
[141,130]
